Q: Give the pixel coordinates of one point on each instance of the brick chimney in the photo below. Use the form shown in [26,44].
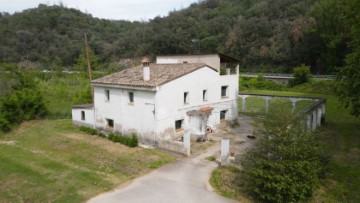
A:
[146,68]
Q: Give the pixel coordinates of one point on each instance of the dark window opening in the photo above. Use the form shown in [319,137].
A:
[224,91]
[107,95]
[186,97]
[131,97]
[178,125]
[204,95]
[185,62]
[222,115]
[82,115]
[110,123]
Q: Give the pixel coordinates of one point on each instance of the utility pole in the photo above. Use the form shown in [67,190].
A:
[88,65]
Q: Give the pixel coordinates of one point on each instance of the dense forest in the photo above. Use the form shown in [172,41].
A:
[266,35]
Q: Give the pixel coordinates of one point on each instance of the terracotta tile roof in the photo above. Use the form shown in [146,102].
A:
[159,74]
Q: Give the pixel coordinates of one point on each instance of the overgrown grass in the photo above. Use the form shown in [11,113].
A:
[341,140]
[51,161]
[228,182]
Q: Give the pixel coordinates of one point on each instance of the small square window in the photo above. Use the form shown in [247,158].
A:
[224,91]
[205,95]
[107,95]
[178,125]
[186,97]
[131,97]
[110,123]
[82,115]
[223,115]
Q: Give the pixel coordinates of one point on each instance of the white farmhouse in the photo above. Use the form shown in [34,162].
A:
[159,101]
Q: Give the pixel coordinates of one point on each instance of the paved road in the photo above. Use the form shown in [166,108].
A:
[186,181]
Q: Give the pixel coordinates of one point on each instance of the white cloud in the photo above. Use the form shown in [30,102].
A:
[107,9]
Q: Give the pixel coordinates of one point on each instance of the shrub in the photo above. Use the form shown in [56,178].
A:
[24,104]
[301,75]
[130,141]
[259,83]
[4,124]
[88,130]
[286,163]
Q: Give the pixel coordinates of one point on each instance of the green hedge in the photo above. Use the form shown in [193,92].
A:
[130,141]
[92,131]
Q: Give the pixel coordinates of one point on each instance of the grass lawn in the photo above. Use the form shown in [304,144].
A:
[341,138]
[51,161]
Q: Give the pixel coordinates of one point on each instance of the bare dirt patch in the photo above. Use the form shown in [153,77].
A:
[10,142]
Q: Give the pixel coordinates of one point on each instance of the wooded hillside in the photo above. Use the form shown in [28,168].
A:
[267,35]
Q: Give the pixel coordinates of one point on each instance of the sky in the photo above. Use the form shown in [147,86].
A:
[140,10]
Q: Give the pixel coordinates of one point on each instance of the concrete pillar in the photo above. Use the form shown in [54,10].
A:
[186,141]
[323,109]
[308,122]
[267,99]
[243,104]
[293,104]
[228,71]
[314,115]
[318,118]
[237,70]
[224,152]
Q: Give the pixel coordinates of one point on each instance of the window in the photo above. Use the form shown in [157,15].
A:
[178,125]
[110,123]
[185,62]
[107,95]
[186,97]
[82,115]
[131,97]
[205,95]
[222,115]
[224,91]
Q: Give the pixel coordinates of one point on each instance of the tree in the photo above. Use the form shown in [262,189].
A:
[301,75]
[348,79]
[286,163]
[81,63]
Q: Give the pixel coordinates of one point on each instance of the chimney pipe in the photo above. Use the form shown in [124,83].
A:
[146,69]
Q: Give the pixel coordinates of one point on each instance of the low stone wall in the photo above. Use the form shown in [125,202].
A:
[176,146]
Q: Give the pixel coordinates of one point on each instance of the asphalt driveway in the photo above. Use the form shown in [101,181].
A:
[185,180]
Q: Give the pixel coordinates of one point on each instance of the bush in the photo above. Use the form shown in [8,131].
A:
[301,75]
[89,131]
[24,104]
[130,141]
[259,83]
[4,124]
[286,163]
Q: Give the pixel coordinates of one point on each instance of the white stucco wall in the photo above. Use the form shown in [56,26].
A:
[128,117]
[89,117]
[212,60]
[170,106]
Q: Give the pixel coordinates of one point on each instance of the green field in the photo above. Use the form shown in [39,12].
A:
[341,139]
[51,161]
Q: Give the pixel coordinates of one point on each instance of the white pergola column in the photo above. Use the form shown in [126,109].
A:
[314,115]
[293,100]
[318,119]
[308,122]
[243,103]
[267,99]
